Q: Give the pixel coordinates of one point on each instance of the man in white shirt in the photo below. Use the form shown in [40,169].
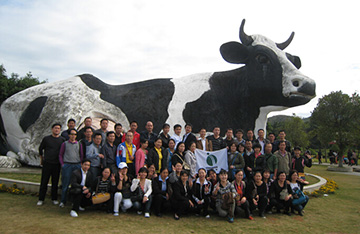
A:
[262,140]
[203,143]
[176,137]
[81,181]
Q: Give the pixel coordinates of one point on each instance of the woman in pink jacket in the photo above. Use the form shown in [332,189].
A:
[140,155]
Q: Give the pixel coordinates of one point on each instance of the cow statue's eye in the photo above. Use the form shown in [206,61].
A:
[262,59]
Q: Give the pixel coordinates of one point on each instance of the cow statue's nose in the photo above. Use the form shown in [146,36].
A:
[306,87]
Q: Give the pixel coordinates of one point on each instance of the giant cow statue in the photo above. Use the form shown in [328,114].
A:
[240,98]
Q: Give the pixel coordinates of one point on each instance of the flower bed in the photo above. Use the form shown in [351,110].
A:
[328,188]
[13,189]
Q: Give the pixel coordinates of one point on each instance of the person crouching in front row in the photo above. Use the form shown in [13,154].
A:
[81,183]
[225,194]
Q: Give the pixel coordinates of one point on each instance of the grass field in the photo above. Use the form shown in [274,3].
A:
[337,213]
[23,176]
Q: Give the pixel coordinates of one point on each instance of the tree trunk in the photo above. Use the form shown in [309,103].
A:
[340,157]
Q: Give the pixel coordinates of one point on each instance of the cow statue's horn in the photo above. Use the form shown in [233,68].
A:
[245,39]
[285,44]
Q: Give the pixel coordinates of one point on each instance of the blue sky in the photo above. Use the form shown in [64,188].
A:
[127,41]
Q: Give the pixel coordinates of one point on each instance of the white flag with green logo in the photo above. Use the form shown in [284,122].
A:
[216,160]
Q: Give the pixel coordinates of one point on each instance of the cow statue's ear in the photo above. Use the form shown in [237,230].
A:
[294,60]
[234,52]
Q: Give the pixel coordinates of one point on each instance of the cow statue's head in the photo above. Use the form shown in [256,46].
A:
[276,70]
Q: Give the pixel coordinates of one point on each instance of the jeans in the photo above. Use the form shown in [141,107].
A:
[143,206]
[66,173]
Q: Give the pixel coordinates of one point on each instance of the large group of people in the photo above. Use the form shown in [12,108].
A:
[156,173]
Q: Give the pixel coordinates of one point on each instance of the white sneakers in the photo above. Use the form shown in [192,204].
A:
[40,203]
[73,214]
[116,214]
[62,205]
[81,208]
[147,215]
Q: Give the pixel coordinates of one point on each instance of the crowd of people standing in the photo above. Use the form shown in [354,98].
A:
[150,172]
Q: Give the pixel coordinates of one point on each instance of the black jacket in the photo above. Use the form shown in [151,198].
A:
[299,163]
[76,179]
[157,185]
[150,137]
[256,164]
[126,185]
[252,190]
[179,193]
[177,158]
[153,158]
[198,191]
[189,139]
[275,189]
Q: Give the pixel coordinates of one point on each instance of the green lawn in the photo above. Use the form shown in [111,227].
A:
[337,213]
[23,176]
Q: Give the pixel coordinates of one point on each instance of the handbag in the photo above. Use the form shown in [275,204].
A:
[100,198]
[137,195]
[185,165]
[284,193]
[228,200]
[301,197]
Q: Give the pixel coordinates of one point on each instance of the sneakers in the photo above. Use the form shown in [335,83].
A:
[55,202]
[61,205]
[116,214]
[81,208]
[73,214]
[147,215]
[230,220]
[251,218]
[139,212]
[176,217]
[40,203]
[262,215]
[207,216]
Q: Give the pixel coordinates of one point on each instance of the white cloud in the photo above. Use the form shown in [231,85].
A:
[126,41]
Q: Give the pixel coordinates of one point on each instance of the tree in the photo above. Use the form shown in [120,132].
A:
[296,132]
[13,84]
[336,118]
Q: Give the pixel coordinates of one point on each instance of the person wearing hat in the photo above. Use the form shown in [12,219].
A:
[123,194]
[299,162]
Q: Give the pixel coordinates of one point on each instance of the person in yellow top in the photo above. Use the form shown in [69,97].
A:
[126,153]
[158,156]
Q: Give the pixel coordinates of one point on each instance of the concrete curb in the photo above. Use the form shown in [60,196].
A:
[311,188]
[29,187]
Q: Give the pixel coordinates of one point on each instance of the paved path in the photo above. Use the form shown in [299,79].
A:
[347,173]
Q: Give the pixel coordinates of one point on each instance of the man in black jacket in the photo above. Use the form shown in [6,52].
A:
[149,135]
[81,183]
[188,138]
